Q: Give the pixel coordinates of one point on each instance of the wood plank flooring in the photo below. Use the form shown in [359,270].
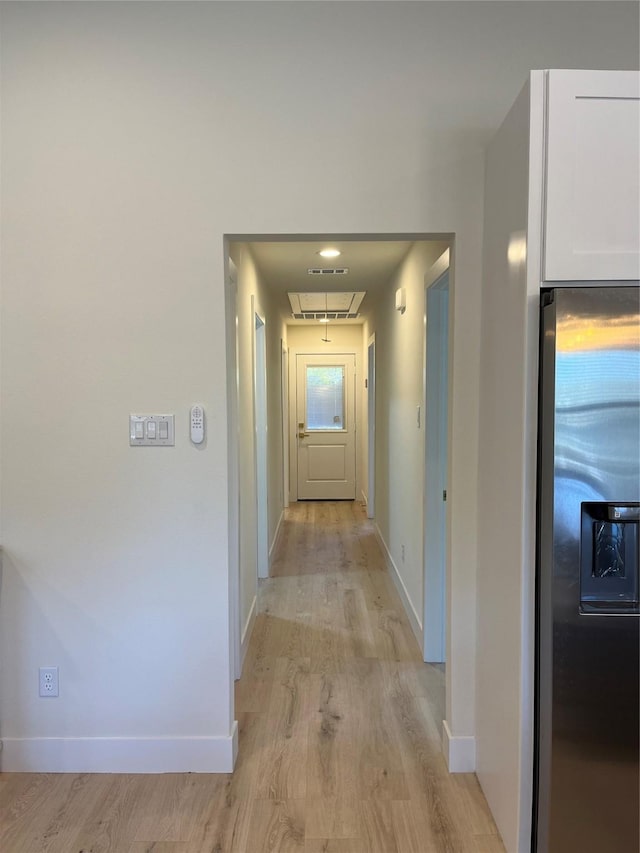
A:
[339,733]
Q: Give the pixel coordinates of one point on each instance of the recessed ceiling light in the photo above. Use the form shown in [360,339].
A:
[323,319]
[329,253]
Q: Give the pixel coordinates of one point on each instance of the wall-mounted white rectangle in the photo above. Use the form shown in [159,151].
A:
[151,430]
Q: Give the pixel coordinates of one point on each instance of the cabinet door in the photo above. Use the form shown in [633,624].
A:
[592,223]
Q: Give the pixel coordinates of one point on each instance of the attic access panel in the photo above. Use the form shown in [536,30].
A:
[333,306]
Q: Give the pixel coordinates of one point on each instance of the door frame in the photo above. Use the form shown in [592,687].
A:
[233,465]
[437,395]
[260,420]
[232,422]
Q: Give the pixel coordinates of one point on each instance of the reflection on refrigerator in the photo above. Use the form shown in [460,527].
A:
[588,618]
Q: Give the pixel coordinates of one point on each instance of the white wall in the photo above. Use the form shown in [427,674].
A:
[344,338]
[399,439]
[134,136]
[508,433]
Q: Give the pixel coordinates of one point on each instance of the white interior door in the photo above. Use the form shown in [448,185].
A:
[285,423]
[436,454]
[371,423]
[326,428]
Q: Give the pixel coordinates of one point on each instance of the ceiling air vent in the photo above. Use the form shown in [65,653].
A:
[321,315]
[328,271]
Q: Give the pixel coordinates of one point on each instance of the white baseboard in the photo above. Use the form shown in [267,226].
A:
[412,615]
[459,752]
[120,755]
[247,631]
[276,538]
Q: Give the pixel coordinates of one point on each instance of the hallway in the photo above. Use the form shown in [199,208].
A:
[339,733]
[340,719]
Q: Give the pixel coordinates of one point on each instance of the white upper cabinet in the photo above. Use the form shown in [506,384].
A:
[592,186]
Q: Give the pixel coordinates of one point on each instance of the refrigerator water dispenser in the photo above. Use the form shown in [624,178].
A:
[609,558]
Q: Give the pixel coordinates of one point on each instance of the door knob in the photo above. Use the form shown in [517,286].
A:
[303,434]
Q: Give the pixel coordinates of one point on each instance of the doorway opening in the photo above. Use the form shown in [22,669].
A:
[284,360]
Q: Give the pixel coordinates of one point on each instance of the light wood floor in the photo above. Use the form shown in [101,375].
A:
[339,733]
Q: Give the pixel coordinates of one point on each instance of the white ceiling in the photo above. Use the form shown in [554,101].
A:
[283,266]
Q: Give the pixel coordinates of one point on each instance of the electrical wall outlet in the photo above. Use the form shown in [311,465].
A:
[48,680]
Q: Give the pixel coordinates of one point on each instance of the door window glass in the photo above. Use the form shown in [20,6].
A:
[325,397]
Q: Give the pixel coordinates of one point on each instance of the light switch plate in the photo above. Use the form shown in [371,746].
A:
[139,430]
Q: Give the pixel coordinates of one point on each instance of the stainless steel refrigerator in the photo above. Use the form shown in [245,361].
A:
[587,793]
